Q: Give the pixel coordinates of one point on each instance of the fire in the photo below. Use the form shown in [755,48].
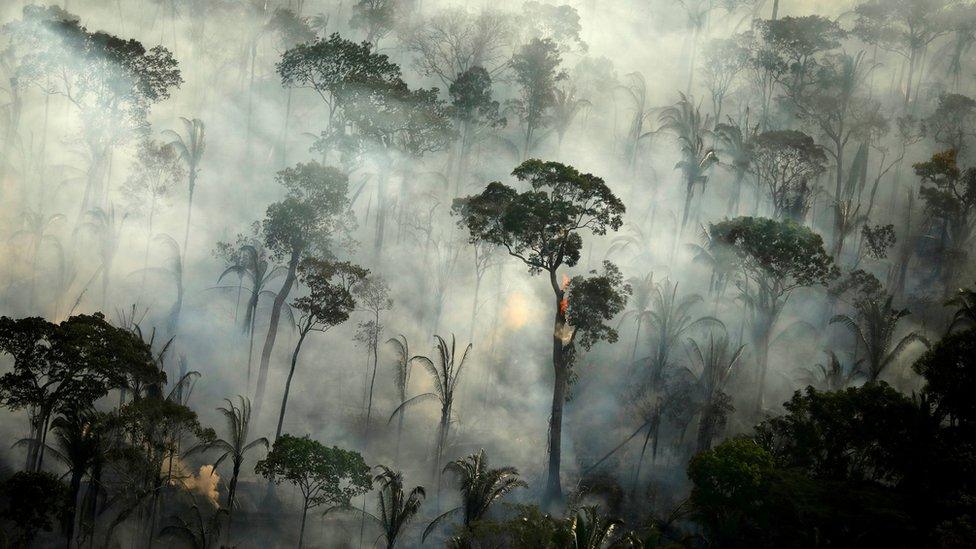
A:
[564,303]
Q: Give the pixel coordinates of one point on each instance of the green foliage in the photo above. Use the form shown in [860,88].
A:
[32,503]
[471,98]
[593,301]
[330,292]
[949,369]
[313,214]
[324,475]
[541,226]
[780,254]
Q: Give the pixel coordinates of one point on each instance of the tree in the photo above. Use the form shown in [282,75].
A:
[542,228]
[66,366]
[376,18]
[455,40]
[874,330]
[396,508]
[797,41]
[401,379]
[374,296]
[113,82]
[445,375]
[786,162]
[475,111]
[334,68]
[685,120]
[199,532]
[323,475]
[33,501]
[903,27]
[725,59]
[155,176]
[952,121]
[949,194]
[81,444]
[773,258]
[670,319]
[949,375]
[314,213]
[250,259]
[329,302]
[835,103]
[235,447]
[536,71]
[737,144]
[717,360]
[481,487]
[190,147]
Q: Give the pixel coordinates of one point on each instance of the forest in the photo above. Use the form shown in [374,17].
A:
[529,274]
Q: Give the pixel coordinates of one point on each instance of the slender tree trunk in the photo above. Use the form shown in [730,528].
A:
[291,373]
[71,506]
[269,341]
[189,211]
[640,460]
[372,381]
[301,530]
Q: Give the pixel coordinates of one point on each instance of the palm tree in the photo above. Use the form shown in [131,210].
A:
[445,375]
[190,148]
[737,146]
[565,107]
[640,306]
[685,120]
[480,488]
[874,329]
[636,91]
[201,533]
[80,444]
[36,231]
[588,529]
[401,379]
[717,360]
[396,508]
[833,376]
[965,315]
[255,264]
[107,227]
[235,447]
[670,317]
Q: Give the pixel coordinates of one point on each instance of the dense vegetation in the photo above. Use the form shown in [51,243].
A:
[533,275]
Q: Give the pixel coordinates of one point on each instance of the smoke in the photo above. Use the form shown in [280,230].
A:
[254,128]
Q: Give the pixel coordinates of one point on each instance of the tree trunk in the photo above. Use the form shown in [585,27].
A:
[189,211]
[273,331]
[70,509]
[372,381]
[291,373]
[553,494]
[301,530]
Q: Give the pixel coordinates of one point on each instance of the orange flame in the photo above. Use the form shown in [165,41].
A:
[564,303]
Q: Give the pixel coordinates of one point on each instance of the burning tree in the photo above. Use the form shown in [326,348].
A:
[542,227]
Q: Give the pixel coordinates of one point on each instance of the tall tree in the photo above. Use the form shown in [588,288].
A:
[903,27]
[536,70]
[445,376]
[329,302]
[691,129]
[787,163]
[374,298]
[234,448]
[772,259]
[190,147]
[542,227]
[312,216]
